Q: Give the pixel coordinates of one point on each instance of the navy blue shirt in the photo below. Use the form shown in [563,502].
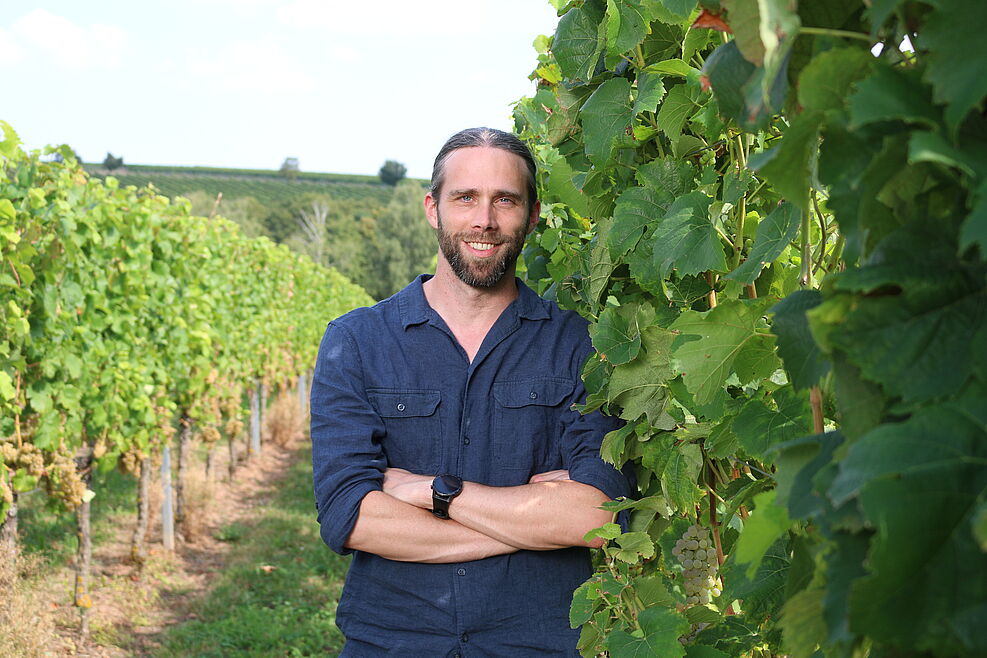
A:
[393,388]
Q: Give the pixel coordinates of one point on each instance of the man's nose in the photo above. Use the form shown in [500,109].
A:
[485,218]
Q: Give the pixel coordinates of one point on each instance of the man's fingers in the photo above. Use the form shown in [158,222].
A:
[548,476]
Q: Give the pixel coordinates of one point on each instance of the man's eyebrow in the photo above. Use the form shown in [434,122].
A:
[459,192]
[475,192]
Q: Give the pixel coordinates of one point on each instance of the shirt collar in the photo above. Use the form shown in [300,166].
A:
[414,308]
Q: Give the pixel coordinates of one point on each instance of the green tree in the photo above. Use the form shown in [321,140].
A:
[289,168]
[406,242]
[110,162]
[392,172]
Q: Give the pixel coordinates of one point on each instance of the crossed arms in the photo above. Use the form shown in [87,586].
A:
[550,511]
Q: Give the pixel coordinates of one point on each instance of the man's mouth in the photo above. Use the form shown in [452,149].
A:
[481,246]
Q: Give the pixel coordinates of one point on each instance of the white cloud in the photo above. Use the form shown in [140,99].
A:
[10,52]
[69,45]
[258,66]
[388,17]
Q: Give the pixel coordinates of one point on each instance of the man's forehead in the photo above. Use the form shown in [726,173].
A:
[471,161]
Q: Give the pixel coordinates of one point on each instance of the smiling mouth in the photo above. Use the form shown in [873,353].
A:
[481,246]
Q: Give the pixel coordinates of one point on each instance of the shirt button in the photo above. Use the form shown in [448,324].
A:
[461,572]
[400,406]
[533,395]
[466,441]
[465,637]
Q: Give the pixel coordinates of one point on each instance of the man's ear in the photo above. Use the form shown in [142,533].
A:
[431,210]
[535,215]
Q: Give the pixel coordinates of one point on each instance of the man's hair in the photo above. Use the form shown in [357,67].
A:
[492,138]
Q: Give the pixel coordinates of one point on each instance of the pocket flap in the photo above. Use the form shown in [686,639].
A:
[541,391]
[403,404]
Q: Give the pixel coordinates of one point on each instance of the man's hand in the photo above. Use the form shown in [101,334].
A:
[408,487]
[549,476]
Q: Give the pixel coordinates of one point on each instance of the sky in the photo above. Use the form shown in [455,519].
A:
[342,86]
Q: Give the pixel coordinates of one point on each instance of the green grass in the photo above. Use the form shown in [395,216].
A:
[47,530]
[289,610]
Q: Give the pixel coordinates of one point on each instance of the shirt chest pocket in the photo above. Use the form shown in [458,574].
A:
[527,424]
[412,427]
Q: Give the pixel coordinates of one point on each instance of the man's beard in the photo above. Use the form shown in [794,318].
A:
[474,272]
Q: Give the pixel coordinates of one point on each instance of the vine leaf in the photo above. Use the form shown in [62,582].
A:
[723,333]
[765,525]
[919,483]
[662,628]
[626,27]
[669,176]
[686,239]
[804,361]
[760,428]
[787,165]
[956,56]
[606,116]
[576,44]
[774,233]
[680,104]
[679,475]
[637,207]
[763,593]
[617,334]
[650,91]
[802,625]
[892,94]
[639,386]
[825,82]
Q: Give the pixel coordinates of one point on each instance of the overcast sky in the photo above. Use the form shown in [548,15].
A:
[342,86]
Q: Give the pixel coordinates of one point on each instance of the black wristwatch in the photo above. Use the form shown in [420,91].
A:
[444,489]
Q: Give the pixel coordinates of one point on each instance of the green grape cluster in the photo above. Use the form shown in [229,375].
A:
[27,457]
[64,482]
[130,461]
[697,554]
[233,427]
[209,434]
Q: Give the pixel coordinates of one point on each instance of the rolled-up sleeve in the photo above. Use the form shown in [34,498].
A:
[347,459]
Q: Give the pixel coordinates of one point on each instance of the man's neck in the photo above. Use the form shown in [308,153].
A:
[462,304]
[469,312]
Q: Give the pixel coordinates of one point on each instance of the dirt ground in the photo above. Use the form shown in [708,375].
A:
[131,607]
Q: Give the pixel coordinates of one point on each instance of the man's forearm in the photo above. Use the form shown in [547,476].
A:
[541,515]
[397,530]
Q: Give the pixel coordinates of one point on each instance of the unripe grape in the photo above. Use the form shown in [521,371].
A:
[698,559]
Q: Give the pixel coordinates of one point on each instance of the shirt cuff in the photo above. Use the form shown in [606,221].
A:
[337,519]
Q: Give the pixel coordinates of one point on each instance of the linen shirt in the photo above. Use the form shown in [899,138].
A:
[393,388]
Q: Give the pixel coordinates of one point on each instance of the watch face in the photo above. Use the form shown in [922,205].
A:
[447,485]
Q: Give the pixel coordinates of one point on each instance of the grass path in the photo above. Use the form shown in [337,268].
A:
[277,593]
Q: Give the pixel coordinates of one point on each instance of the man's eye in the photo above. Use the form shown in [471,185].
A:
[465,197]
[505,200]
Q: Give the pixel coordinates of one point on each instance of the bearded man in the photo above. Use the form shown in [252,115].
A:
[447,456]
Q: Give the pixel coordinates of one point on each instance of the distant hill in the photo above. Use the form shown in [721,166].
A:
[268,186]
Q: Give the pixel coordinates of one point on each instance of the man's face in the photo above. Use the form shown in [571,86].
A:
[482,215]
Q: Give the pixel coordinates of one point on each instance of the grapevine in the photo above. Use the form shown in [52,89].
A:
[772,215]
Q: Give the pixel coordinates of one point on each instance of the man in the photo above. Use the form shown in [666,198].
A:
[446,454]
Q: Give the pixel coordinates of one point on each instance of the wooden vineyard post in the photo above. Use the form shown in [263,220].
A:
[138,545]
[167,510]
[254,446]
